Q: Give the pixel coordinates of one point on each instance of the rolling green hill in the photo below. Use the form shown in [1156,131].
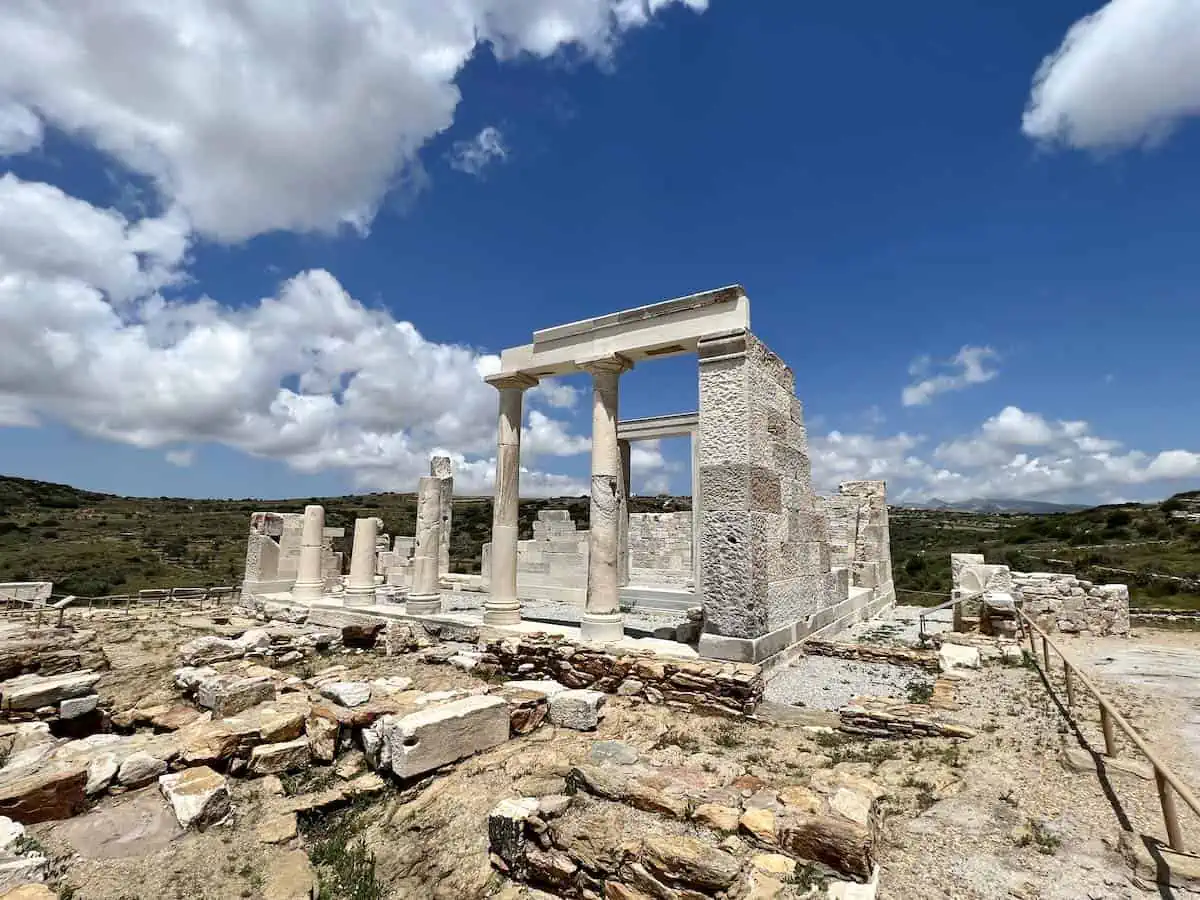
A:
[93,544]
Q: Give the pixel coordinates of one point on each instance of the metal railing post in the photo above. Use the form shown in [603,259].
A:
[1110,735]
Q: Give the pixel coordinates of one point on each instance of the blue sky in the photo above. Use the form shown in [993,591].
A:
[275,259]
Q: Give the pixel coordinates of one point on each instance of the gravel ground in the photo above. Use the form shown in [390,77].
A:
[825,682]
[900,625]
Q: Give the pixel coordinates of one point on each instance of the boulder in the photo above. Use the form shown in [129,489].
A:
[100,773]
[188,678]
[323,731]
[35,691]
[227,695]
[199,797]
[44,795]
[577,709]
[140,768]
[273,759]
[958,656]
[422,741]
[690,862]
[74,707]
[842,845]
[347,693]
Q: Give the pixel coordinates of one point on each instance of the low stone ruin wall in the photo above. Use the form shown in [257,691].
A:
[1065,603]
[733,689]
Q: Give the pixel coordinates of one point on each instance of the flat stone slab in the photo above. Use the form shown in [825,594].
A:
[36,691]
[199,796]
[140,826]
[431,738]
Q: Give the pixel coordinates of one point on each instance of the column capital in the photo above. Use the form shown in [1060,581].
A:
[610,364]
[504,380]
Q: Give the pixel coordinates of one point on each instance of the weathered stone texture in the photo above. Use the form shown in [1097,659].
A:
[660,550]
[1069,604]
[710,686]
[758,574]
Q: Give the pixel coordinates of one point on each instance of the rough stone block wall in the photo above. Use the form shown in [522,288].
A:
[1065,603]
[709,686]
[765,560]
[272,551]
[870,560]
[660,550]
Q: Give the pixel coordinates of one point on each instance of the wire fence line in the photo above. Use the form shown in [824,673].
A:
[152,601]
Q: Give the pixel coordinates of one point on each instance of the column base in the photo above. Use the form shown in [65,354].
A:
[423,604]
[359,597]
[313,590]
[501,611]
[602,628]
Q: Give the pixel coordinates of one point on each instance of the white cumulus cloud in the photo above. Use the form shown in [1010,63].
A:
[20,129]
[1015,453]
[967,367]
[309,376]
[259,115]
[1124,75]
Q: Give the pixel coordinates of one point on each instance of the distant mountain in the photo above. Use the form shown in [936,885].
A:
[998,505]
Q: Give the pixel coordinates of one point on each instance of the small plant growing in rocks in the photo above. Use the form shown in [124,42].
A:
[919,691]
[685,742]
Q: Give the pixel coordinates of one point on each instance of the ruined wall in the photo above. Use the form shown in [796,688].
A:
[27,590]
[1058,602]
[764,551]
[272,552]
[553,565]
[860,537]
[660,550]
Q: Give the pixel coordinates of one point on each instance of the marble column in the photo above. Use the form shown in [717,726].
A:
[442,469]
[625,450]
[310,585]
[602,618]
[502,606]
[424,598]
[360,589]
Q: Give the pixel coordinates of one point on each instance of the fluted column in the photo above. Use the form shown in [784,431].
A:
[360,590]
[602,618]
[502,606]
[309,583]
[442,468]
[626,451]
[425,597]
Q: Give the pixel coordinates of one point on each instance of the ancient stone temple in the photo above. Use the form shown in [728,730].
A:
[763,563]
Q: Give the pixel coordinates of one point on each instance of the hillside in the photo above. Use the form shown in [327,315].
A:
[93,544]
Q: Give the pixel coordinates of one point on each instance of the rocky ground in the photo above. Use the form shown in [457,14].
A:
[649,800]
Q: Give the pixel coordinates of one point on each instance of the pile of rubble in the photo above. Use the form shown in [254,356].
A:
[49,674]
[626,829]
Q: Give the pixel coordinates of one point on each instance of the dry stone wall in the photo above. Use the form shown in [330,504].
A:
[1068,604]
[710,686]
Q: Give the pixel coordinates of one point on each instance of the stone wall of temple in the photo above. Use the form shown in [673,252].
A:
[765,560]
[660,550]
[272,552]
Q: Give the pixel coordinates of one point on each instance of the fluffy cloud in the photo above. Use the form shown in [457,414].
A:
[20,129]
[1123,75]
[475,155]
[1014,453]
[307,376]
[256,115]
[967,367]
